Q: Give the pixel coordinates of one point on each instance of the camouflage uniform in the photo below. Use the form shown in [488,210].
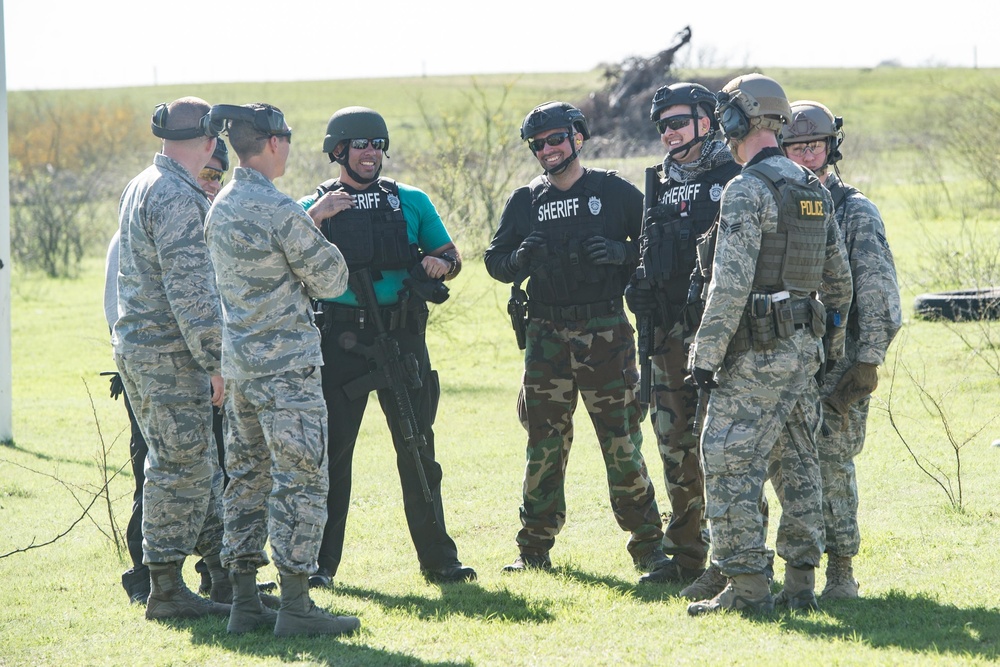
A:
[691,192]
[761,393]
[167,342]
[270,259]
[874,320]
[578,340]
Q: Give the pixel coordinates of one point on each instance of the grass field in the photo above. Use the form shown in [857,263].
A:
[928,571]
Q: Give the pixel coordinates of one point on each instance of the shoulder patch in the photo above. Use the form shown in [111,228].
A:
[594,204]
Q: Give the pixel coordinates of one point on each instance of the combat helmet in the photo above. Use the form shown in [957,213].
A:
[693,95]
[750,101]
[221,153]
[812,121]
[553,116]
[355,123]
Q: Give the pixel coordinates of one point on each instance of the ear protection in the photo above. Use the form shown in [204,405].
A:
[733,121]
[158,123]
[267,120]
[834,155]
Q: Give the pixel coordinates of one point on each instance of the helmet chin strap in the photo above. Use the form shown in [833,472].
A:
[561,167]
[358,178]
[681,151]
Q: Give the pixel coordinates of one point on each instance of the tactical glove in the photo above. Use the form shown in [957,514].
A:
[605,251]
[858,382]
[532,247]
[640,300]
[701,378]
[117,386]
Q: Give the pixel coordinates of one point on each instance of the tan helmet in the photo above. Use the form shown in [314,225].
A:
[812,121]
[749,101]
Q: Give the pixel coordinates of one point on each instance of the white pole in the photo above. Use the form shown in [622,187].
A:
[6,373]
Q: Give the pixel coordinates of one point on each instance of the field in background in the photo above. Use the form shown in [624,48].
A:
[928,570]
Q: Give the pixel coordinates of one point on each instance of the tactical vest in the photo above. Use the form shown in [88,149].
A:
[792,257]
[373,233]
[683,212]
[567,276]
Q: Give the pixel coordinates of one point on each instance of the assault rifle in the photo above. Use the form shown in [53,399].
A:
[390,369]
[646,323]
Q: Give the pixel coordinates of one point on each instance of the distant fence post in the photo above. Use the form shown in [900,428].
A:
[6,372]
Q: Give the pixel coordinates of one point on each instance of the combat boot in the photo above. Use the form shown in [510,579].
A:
[248,612]
[746,593]
[299,616]
[799,592]
[221,589]
[662,569]
[840,581]
[170,597]
[707,586]
[529,562]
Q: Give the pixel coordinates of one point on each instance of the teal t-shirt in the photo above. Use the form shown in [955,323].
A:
[423,227]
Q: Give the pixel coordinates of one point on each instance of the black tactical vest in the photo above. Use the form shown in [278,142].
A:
[373,233]
[683,212]
[792,257]
[567,276]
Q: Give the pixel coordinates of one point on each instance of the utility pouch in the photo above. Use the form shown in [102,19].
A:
[741,339]
[762,323]
[783,324]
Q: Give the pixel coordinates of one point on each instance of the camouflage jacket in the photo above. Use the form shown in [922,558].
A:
[167,299]
[749,210]
[876,314]
[270,259]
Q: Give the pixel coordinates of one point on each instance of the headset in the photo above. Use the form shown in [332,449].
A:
[267,120]
[158,123]
[732,118]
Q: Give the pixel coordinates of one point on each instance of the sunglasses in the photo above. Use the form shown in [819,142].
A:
[799,149]
[552,140]
[674,123]
[211,174]
[361,144]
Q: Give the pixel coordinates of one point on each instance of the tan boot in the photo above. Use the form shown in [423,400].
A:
[248,612]
[840,581]
[747,593]
[299,616]
[800,589]
[169,596]
[707,586]
[221,590]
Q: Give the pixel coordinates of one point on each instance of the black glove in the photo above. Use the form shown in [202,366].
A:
[117,386]
[604,251]
[640,300]
[704,380]
[532,247]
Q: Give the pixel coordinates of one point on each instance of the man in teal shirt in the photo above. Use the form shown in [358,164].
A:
[394,232]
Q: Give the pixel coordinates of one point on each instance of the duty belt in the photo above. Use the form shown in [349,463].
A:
[583,311]
[392,316]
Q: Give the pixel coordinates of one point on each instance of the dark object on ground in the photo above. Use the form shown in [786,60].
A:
[959,305]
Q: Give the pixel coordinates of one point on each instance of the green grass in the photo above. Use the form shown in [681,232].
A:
[928,572]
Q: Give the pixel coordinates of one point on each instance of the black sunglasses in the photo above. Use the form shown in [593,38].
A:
[552,140]
[674,122]
[361,144]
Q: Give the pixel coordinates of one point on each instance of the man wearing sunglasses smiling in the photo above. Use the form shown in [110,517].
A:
[573,233]
[213,175]
[393,230]
[690,181]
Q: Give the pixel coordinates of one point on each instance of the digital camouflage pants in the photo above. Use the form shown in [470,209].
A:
[672,413]
[181,497]
[278,477]
[593,359]
[761,394]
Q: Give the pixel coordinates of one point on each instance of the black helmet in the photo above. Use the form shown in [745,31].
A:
[691,94]
[355,123]
[221,153]
[553,115]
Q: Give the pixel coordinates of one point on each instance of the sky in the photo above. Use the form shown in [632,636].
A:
[53,44]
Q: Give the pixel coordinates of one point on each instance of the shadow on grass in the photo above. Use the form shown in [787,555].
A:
[299,650]
[468,600]
[915,623]
[644,592]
